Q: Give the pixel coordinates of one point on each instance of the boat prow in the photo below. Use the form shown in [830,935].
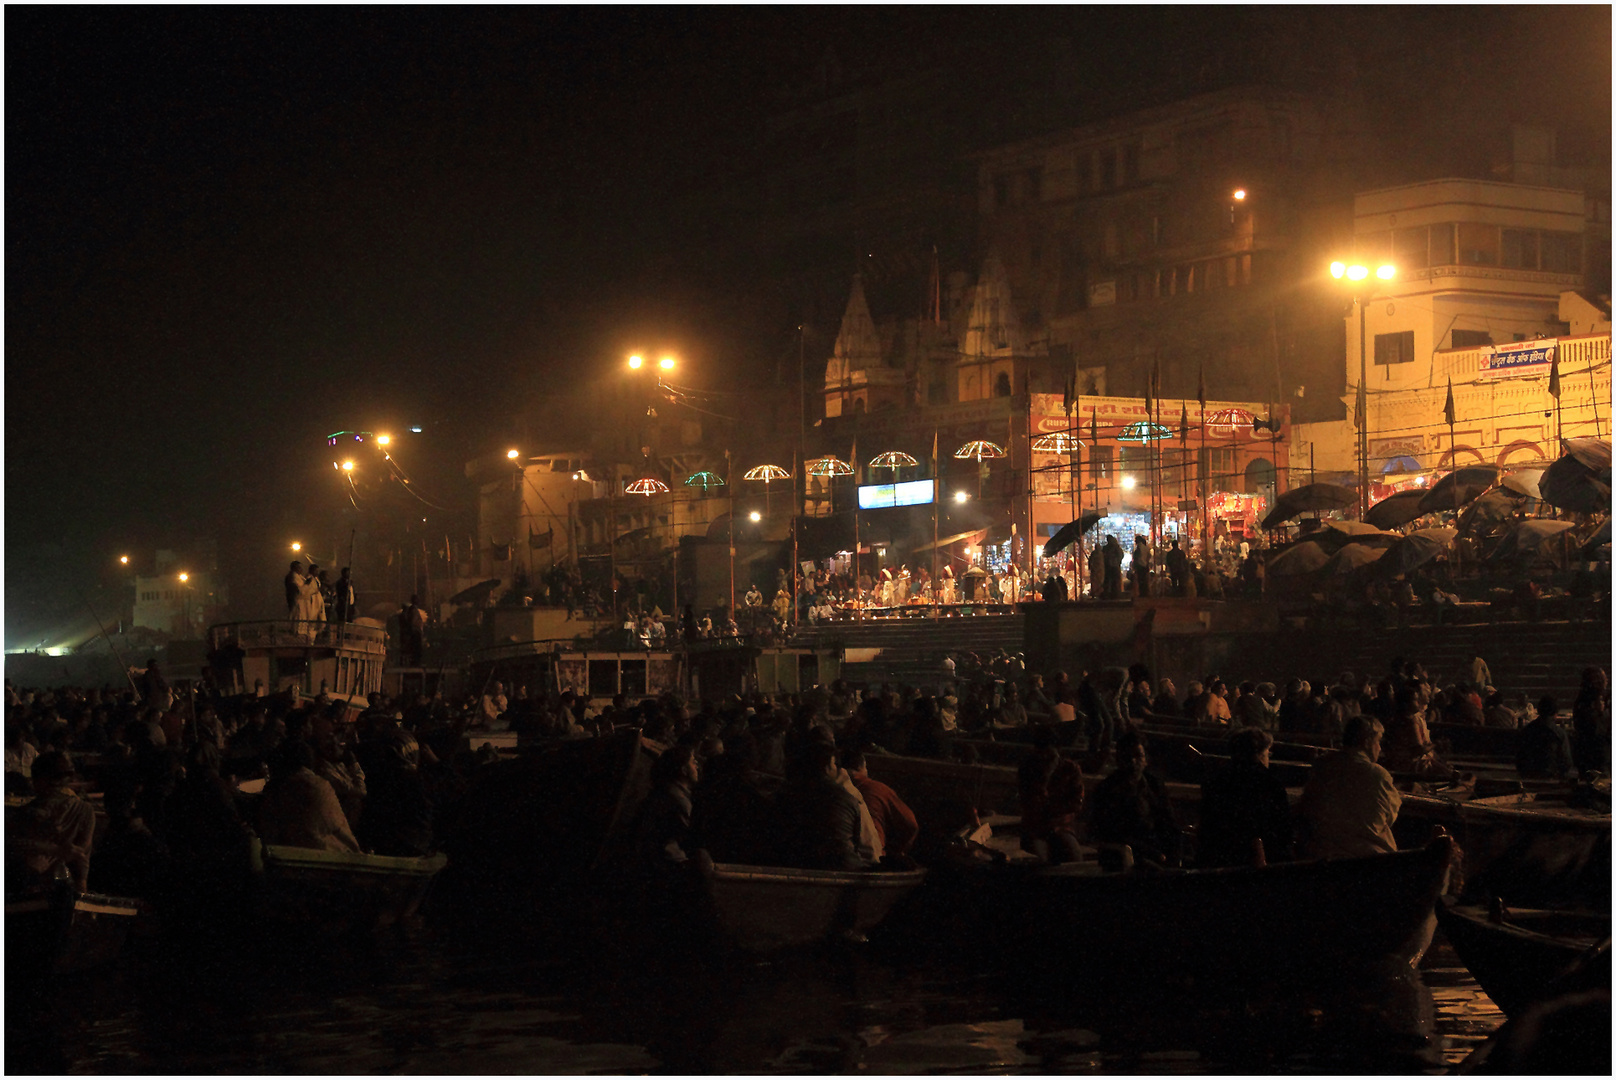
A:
[767,908]
[338,890]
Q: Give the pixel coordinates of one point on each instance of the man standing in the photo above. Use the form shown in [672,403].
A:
[342,603]
[411,633]
[1096,572]
[1350,803]
[294,588]
[1178,565]
[1113,568]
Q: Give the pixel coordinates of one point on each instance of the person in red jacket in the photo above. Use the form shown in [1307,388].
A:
[893,819]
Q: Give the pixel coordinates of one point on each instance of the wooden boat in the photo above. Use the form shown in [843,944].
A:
[1516,954]
[766,908]
[1533,848]
[1314,921]
[44,937]
[332,891]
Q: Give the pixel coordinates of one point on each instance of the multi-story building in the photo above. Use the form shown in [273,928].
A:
[182,596]
[1484,292]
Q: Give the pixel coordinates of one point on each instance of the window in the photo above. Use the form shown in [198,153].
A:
[1411,248]
[1519,249]
[1562,253]
[1001,385]
[1100,462]
[1471,339]
[1441,244]
[1478,244]
[1394,348]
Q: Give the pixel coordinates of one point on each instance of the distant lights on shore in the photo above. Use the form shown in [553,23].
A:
[416,430]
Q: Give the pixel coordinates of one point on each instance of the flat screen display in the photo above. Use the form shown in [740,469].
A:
[908,493]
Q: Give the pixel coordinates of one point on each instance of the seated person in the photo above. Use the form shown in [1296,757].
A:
[817,821]
[397,817]
[51,836]
[1244,806]
[1350,803]
[1131,807]
[730,802]
[1544,752]
[895,823]
[1408,746]
[663,837]
[1050,788]
[299,809]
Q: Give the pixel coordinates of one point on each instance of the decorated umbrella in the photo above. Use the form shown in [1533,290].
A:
[1571,485]
[892,459]
[979,449]
[1309,498]
[1071,531]
[1351,558]
[1226,423]
[1144,431]
[1056,442]
[705,480]
[647,486]
[1298,559]
[768,474]
[1594,453]
[1499,504]
[1396,509]
[1414,550]
[1529,536]
[829,465]
[1469,481]
[1523,482]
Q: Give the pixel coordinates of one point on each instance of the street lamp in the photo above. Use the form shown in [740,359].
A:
[383,440]
[513,454]
[347,466]
[635,362]
[666,363]
[124,559]
[1355,273]
[296,547]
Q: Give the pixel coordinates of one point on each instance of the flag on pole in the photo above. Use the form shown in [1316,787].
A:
[1200,390]
[1094,426]
[1155,381]
[1149,379]
[1184,423]
[1554,376]
[536,542]
[1447,409]
[1360,409]
[1069,398]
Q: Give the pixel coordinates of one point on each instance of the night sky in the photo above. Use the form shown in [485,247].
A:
[231,231]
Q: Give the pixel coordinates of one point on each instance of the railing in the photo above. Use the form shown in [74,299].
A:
[297,633]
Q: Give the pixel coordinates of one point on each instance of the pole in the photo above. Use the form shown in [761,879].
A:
[1363,396]
[673,525]
[611,540]
[121,662]
[1206,495]
[796,516]
[936,510]
[729,475]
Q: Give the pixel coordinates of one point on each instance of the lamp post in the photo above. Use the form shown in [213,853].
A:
[1358,274]
[637,363]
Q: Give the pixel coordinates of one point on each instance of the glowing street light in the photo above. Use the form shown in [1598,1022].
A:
[666,363]
[297,546]
[755,516]
[347,466]
[1239,194]
[635,362]
[513,454]
[1128,483]
[184,577]
[1356,272]
[383,440]
[960,496]
[124,559]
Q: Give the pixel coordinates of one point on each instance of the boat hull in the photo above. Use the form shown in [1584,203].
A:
[49,939]
[333,891]
[1516,961]
[768,908]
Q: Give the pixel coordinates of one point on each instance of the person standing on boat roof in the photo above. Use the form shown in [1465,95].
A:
[1350,803]
[342,602]
[294,588]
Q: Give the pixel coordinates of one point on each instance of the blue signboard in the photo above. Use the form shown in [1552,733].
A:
[1526,358]
[908,493]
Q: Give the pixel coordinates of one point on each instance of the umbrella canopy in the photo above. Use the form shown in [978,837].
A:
[1056,442]
[1572,485]
[1228,422]
[1350,558]
[976,571]
[705,479]
[1523,482]
[1144,431]
[1497,505]
[979,449]
[1416,549]
[1354,532]
[1594,453]
[1459,487]
[1303,558]
[647,486]
[829,465]
[1396,509]
[1071,531]
[480,591]
[1400,464]
[766,473]
[892,459]
[1530,536]
[1309,498]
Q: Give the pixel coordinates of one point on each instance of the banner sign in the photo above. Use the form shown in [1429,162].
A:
[908,493]
[1526,358]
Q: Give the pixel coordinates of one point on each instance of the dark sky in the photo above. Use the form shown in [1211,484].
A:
[232,230]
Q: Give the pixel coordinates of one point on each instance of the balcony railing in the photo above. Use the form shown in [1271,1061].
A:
[297,634]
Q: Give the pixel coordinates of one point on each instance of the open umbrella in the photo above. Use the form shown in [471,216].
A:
[1414,550]
[1600,539]
[1350,558]
[1529,536]
[976,571]
[475,593]
[1469,481]
[1572,485]
[1309,498]
[1396,509]
[1523,482]
[1592,452]
[1071,531]
[1303,558]
[1340,533]
[1499,504]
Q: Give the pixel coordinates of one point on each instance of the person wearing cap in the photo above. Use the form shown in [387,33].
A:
[53,834]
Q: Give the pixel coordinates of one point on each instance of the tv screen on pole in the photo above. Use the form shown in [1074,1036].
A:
[908,493]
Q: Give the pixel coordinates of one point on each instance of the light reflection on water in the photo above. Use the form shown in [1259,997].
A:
[432,1005]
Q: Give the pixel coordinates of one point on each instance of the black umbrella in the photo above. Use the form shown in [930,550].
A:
[1469,481]
[1071,531]
[1396,509]
[1594,453]
[1499,504]
[478,592]
[1572,485]
[1314,498]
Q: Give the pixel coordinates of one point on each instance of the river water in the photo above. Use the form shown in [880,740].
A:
[462,996]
